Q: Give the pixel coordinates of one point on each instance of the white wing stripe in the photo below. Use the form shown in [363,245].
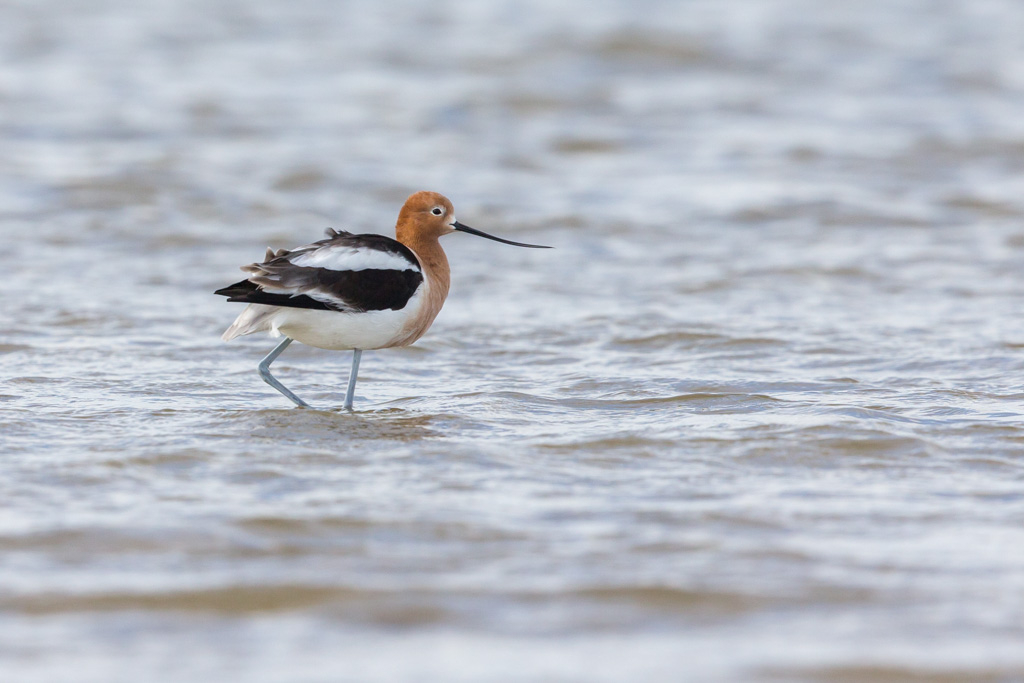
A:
[352,258]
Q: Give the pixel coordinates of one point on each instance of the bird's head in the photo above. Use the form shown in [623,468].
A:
[429,215]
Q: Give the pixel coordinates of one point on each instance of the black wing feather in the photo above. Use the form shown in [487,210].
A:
[362,290]
[249,293]
[371,289]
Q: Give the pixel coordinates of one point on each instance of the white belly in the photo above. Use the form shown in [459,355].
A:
[340,331]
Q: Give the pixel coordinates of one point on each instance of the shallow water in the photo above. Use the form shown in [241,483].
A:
[757,417]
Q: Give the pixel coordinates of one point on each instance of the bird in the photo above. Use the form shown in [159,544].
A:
[352,292]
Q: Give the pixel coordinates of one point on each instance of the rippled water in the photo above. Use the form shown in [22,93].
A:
[757,417]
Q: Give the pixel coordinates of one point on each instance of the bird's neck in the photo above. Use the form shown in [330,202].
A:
[438,278]
[435,265]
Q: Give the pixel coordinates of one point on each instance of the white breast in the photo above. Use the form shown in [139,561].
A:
[341,331]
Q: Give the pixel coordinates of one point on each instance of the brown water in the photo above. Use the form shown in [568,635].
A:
[758,417]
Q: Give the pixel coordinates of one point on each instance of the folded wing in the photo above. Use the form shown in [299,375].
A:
[345,272]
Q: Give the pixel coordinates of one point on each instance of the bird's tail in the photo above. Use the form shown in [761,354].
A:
[255,318]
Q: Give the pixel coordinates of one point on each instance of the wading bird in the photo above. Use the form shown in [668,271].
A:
[352,292]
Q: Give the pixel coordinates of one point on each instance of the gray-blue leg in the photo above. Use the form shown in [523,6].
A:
[356,354]
[269,379]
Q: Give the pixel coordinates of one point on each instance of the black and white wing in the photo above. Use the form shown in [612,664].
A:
[344,272]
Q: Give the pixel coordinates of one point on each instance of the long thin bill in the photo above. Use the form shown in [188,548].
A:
[473,231]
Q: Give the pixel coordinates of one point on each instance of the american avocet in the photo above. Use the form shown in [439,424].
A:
[352,292]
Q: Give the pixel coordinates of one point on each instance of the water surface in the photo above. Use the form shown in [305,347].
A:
[757,417]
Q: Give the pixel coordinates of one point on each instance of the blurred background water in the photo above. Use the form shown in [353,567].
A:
[758,416]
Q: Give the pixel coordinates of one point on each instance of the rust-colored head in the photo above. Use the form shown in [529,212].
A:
[426,216]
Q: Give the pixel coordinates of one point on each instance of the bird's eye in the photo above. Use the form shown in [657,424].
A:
[436,211]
